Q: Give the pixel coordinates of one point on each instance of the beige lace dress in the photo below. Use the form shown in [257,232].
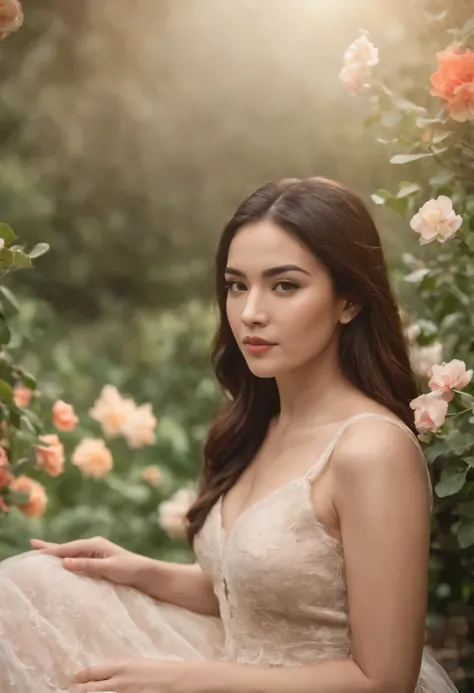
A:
[279,577]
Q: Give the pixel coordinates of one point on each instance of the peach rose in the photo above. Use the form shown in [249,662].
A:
[359,59]
[50,456]
[436,220]
[454,82]
[36,504]
[22,395]
[139,427]
[64,417]
[111,410]
[430,412]
[93,457]
[172,513]
[11,17]
[152,475]
[446,377]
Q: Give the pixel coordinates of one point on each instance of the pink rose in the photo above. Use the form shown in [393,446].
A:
[139,427]
[436,221]
[36,504]
[359,59]
[92,457]
[446,377]
[454,82]
[11,17]
[50,456]
[64,417]
[430,412]
[21,394]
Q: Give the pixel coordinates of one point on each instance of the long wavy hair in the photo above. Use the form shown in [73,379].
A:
[335,225]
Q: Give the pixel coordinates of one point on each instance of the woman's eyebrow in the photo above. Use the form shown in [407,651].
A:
[268,272]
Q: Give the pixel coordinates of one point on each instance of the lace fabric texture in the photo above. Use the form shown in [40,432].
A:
[279,577]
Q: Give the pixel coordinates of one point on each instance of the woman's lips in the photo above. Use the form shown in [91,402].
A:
[258,348]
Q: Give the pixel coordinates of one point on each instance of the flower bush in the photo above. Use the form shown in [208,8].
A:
[432,143]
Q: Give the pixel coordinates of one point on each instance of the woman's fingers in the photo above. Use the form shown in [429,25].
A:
[70,549]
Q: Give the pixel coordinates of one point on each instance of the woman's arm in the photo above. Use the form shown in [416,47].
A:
[179,584]
[382,501]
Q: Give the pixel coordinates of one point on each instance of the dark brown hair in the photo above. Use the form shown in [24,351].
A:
[335,225]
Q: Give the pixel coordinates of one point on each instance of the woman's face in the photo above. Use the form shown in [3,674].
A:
[295,310]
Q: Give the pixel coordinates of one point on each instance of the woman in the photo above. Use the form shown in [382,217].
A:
[311,529]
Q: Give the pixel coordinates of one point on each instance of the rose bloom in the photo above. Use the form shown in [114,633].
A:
[153,475]
[430,412]
[436,220]
[139,427]
[448,376]
[172,513]
[112,410]
[50,456]
[22,395]
[64,417]
[454,82]
[359,59]
[11,17]
[93,457]
[36,504]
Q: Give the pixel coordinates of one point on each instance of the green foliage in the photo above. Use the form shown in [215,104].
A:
[435,155]
[159,358]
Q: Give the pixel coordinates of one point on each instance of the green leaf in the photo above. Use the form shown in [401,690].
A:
[442,178]
[466,399]
[407,189]
[451,482]
[417,276]
[465,533]
[436,450]
[6,392]
[408,158]
[7,234]
[6,259]
[38,250]
[441,136]
[380,196]
[21,259]
[27,378]
[11,298]
[469,461]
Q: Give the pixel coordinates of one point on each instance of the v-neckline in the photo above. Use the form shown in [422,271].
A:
[227,534]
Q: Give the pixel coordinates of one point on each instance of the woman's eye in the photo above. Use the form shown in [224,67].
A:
[232,285]
[286,286]
[235,286]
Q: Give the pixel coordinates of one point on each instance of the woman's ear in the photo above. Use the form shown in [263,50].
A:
[349,312]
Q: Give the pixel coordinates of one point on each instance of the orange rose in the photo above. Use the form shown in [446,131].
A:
[50,456]
[21,394]
[64,417]
[11,17]
[454,82]
[36,504]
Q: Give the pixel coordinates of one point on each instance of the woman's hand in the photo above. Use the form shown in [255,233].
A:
[96,557]
[136,676]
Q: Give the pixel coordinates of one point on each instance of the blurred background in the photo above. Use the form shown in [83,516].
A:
[129,132]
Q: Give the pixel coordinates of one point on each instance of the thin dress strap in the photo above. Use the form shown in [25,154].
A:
[318,467]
